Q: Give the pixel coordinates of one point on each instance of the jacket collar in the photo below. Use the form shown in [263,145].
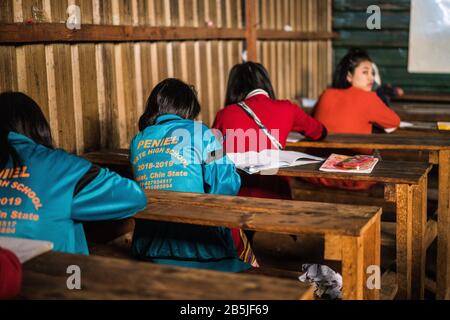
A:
[166,117]
[15,137]
[256,92]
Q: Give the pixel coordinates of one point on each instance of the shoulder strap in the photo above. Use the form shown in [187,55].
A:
[252,115]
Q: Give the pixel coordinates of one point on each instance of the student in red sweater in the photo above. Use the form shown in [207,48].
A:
[351,107]
[249,83]
[10,274]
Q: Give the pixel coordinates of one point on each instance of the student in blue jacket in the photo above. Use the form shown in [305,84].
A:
[174,152]
[46,193]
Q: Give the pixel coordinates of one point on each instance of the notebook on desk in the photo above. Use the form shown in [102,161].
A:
[25,249]
[254,162]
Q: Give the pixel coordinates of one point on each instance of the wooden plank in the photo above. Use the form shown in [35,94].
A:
[377,141]
[352,262]
[144,280]
[443,254]
[251,32]
[404,240]
[89,96]
[333,248]
[286,217]
[392,39]
[65,96]
[361,5]
[6,11]
[57,32]
[111,102]
[51,83]
[8,65]
[358,19]
[384,171]
[419,221]
[129,86]
[77,102]
[424,97]
[372,251]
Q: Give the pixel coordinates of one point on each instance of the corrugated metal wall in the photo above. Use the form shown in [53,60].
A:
[93,93]
[297,68]
[388,47]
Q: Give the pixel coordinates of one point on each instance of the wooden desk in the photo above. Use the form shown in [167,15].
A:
[439,154]
[45,277]
[420,111]
[407,187]
[424,97]
[352,234]
[412,184]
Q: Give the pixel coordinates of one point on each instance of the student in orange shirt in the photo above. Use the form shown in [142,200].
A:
[351,107]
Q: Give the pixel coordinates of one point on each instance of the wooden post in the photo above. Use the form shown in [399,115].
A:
[358,253]
[411,250]
[419,225]
[443,265]
[372,256]
[251,33]
[404,240]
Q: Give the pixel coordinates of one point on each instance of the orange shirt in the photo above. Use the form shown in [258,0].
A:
[353,110]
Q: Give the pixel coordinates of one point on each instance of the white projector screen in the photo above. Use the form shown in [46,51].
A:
[429,36]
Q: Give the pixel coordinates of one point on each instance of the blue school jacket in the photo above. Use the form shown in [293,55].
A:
[183,155]
[52,191]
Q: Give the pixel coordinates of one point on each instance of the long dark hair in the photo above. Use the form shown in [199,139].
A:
[170,96]
[244,78]
[348,64]
[21,114]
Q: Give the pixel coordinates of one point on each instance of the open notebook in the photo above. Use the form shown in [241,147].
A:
[25,249]
[253,162]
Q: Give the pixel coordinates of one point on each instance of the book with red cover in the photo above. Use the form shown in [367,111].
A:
[350,164]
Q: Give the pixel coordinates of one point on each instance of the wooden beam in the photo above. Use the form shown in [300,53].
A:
[57,32]
[294,35]
[251,32]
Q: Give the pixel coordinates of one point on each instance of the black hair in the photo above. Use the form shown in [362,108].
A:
[170,96]
[348,64]
[19,113]
[244,78]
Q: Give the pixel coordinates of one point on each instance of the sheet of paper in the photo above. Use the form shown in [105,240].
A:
[253,162]
[295,137]
[25,249]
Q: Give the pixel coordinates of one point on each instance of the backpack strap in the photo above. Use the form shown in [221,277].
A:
[252,115]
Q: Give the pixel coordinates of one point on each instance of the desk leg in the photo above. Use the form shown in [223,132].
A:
[443,254]
[411,225]
[419,249]
[358,253]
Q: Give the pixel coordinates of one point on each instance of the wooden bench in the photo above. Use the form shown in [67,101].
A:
[438,149]
[352,234]
[45,277]
[411,176]
[406,186]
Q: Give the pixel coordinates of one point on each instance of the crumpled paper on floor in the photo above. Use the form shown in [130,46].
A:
[327,283]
